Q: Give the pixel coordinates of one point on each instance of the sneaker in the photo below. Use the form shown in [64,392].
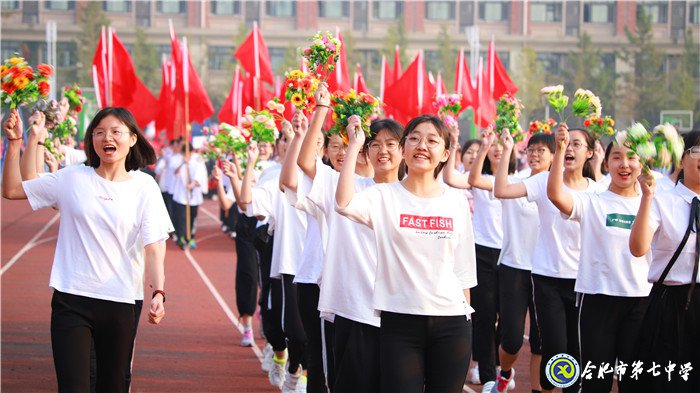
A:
[247,340]
[278,371]
[268,353]
[301,385]
[473,375]
[502,385]
[192,244]
[489,387]
[293,383]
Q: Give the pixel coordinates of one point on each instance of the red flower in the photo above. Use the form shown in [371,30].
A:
[45,70]
[79,108]
[587,123]
[306,84]
[311,101]
[44,88]
[368,98]
[9,87]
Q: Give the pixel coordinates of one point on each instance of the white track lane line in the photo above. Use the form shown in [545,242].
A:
[30,244]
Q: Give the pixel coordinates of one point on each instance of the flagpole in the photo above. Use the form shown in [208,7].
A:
[186,85]
[110,62]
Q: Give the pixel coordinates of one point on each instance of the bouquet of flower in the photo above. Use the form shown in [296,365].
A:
[64,129]
[585,103]
[50,110]
[600,126]
[225,140]
[323,53]
[262,124]
[448,107]
[21,84]
[656,149]
[508,111]
[49,146]
[75,98]
[542,127]
[348,104]
[300,87]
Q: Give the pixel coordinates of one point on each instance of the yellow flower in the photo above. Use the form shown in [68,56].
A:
[297,100]
[352,94]
[15,60]
[611,121]
[296,74]
[21,82]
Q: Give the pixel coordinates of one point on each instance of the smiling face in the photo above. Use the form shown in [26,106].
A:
[469,155]
[494,155]
[577,152]
[335,151]
[539,157]
[265,149]
[384,153]
[112,141]
[623,168]
[424,149]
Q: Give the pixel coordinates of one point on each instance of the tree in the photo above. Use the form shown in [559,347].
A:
[685,79]
[396,35]
[90,20]
[446,58]
[146,61]
[587,70]
[530,78]
[645,91]
[353,56]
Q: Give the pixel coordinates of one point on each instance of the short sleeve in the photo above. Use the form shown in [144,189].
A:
[155,224]
[536,186]
[261,203]
[322,192]
[360,207]
[655,214]
[43,191]
[465,255]
[580,200]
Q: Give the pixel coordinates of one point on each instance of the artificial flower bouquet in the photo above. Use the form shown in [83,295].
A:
[508,111]
[323,53]
[585,104]
[299,89]
[75,99]
[448,107]
[656,149]
[21,84]
[262,124]
[600,126]
[542,127]
[351,103]
[225,140]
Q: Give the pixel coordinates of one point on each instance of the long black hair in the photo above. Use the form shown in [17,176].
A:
[690,139]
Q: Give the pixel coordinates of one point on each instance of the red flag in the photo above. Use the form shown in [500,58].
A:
[254,56]
[486,112]
[229,112]
[164,116]
[386,78]
[339,79]
[440,85]
[501,81]
[397,64]
[359,82]
[463,83]
[412,94]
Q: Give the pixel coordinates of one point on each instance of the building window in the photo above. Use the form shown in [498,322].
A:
[440,10]
[171,6]
[277,57]
[116,6]
[494,11]
[9,48]
[695,14]
[334,9]
[551,61]
[220,57]
[657,11]
[225,7]
[599,12]
[281,8]
[387,9]
[66,54]
[9,5]
[545,12]
[60,5]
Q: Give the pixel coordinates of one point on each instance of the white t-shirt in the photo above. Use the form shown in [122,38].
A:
[425,249]
[160,172]
[488,228]
[198,173]
[73,156]
[558,242]
[350,263]
[521,224]
[288,223]
[174,161]
[607,267]
[664,184]
[669,217]
[102,225]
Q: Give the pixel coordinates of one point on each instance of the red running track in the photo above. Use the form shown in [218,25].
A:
[195,348]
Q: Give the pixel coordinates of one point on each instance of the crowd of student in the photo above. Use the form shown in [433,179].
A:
[385,262]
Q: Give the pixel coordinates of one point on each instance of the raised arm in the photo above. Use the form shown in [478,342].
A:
[307,155]
[555,183]
[246,191]
[597,160]
[501,188]
[450,174]
[288,176]
[11,176]
[33,154]
[154,258]
[641,234]
[346,182]
[475,178]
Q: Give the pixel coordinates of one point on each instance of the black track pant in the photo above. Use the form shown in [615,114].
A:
[516,299]
[307,297]
[180,223]
[485,301]
[420,351]
[292,326]
[356,356]
[246,266]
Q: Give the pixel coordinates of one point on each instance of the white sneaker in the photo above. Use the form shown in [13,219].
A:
[277,372]
[268,353]
[301,385]
[489,387]
[247,340]
[473,375]
[292,383]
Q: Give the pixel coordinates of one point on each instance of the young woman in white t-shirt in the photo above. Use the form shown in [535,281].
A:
[425,261]
[556,255]
[488,236]
[611,283]
[106,211]
[662,221]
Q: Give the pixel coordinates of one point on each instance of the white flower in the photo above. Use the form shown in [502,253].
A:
[552,89]
[637,131]
[234,132]
[667,130]
[580,92]
[595,101]
[620,138]
[248,110]
[646,151]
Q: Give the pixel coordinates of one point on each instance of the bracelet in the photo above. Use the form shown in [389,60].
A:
[41,143]
[12,139]
[158,291]
[325,106]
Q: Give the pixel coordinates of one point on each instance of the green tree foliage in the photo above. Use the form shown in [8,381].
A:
[684,80]
[529,76]
[146,61]
[351,53]
[396,35]
[645,91]
[90,20]
[445,61]
[587,70]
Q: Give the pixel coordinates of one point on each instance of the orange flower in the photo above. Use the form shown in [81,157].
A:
[306,84]
[44,88]
[45,70]
[21,82]
[310,101]
[367,98]
[9,87]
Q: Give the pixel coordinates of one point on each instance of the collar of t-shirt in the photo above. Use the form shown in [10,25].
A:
[686,193]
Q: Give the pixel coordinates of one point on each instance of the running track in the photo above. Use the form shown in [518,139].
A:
[194,349]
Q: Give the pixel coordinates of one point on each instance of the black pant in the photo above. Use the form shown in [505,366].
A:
[247,266]
[292,326]
[516,299]
[609,327]
[356,356]
[485,301]
[307,297]
[168,199]
[78,322]
[180,223]
[557,317]
[418,351]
